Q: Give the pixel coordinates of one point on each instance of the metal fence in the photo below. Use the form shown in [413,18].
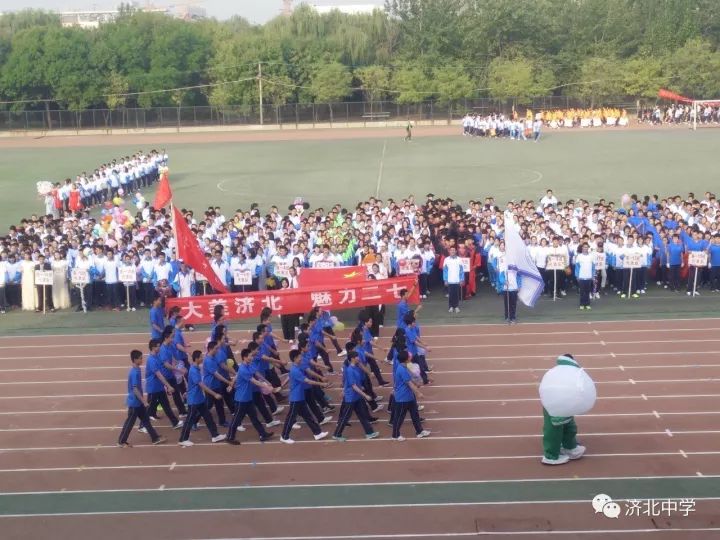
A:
[291,115]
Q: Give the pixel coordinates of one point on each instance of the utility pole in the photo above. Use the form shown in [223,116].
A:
[260,89]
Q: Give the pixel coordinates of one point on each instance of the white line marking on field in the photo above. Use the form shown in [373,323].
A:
[669,433]
[162,487]
[602,343]
[683,454]
[631,381]
[612,354]
[596,332]
[356,484]
[657,415]
[380,172]
[644,396]
[621,368]
[698,473]
[172,465]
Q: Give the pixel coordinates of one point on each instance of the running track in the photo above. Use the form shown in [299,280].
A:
[654,434]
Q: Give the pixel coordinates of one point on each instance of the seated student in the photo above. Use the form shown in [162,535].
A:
[406,394]
[197,390]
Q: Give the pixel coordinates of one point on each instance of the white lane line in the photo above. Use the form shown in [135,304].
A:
[574,479]
[644,397]
[362,440]
[631,381]
[656,323]
[380,172]
[325,462]
[431,419]
[669,433]
[172,466]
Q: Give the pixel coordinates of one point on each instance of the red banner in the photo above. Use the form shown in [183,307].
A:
[338,276]
[199,309]
[667,94]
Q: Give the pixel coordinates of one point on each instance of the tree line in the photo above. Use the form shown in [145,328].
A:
[417,50]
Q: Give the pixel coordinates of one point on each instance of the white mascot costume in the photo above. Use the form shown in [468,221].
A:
[565,391]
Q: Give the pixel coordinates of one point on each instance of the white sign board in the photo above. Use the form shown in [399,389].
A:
[242,277]
[324,264]
[43,277]
[698,258]
[408,266]
[633,260]
[556,262]
[465,261]
[80,276]
[127,275]
[599,260]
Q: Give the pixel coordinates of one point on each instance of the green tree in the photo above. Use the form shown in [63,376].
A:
[694,70]
[601,78]
[374,81]
[411,84]
[330,82]
[517,79]
[453,84]
[643,77]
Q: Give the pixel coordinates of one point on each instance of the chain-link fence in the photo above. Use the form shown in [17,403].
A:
[291,115]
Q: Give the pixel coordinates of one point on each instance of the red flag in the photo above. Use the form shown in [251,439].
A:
[667,94]
[188,251]
[311,277]
[163,195]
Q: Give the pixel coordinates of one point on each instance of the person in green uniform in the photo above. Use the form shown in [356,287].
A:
[560,433]
[408,131]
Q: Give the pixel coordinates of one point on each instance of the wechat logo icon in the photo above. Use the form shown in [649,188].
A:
[603,504]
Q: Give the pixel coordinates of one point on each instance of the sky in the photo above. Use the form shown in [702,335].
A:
[257,11]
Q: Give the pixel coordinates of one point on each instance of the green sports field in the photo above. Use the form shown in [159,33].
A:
[588,164]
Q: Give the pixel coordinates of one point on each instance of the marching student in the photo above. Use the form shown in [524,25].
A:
[174,368]
[298,382]
[317,340]
[406,395]
[137,405]
[267,344]
[214,379]
[243,382]
[327,326]
[158,385]
[366,346]
[266,319]
[197,390]
[584,273]
[157,318]
[402,306]
[352,346]
[316,400]
[415,346]
[353,395]
[453,277]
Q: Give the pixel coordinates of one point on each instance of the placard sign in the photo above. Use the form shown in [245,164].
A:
[408,266]
[465,261]
[380,274]
[43,277]
[324,264]
[599,260]
[556,262]
[698,258]
[282,269]
[127,275]
[242,277]
[633,260]
[80,276]
[200,277]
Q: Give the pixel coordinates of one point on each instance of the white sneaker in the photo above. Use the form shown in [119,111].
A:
[219,438]
[296,426]
[324,421]
[561,460]
[342,353]
[697,294]
[375,338]
[689,293]
[378,408]
[457,310]
[450,310]
[421,407]
[186,443]
[178,425]
[424,433]
[563,293]
[320,435]
[575,453]
[142,429]
[287,441]
[280,409]
[398,439]
[273,424]
[241,428]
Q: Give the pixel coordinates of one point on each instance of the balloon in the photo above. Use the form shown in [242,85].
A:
[567,391]
[338,327]
[414,370]
[625,200]
[334,320]
[103,212]
[121,192]
[140,205]
[117,201]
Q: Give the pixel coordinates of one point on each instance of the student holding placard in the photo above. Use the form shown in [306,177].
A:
[584,273]
[697,260]
[557,260]
[128,277]
[631,261]
[44,285]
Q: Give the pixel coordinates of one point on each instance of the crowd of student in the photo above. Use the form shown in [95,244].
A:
[513,126]
[680,113]
[247,379]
